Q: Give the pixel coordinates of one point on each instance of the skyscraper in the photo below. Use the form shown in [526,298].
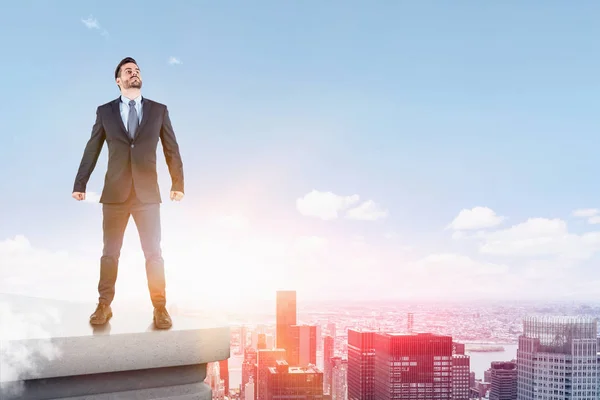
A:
[361,365]
[461,367]
[557,359]
[224,372]
[303,346]
[503,378]
[285,318]
[266,360]
[285,382]
[415,366]
[249,369]
[327,355]
[339,378]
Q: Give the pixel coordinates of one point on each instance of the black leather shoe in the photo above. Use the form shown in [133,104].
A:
[162,319]
[102,314]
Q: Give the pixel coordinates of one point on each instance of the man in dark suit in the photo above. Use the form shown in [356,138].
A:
[131,126]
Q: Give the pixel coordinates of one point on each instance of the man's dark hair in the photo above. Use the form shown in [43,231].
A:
[123,62]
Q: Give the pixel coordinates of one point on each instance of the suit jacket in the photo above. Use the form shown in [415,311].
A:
[131,161]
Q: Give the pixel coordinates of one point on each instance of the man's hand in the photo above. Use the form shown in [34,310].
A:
[78,196]
[175,195]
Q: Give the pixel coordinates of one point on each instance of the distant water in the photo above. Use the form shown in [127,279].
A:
[481,361]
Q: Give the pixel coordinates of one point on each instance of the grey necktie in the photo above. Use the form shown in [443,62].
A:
[132,121]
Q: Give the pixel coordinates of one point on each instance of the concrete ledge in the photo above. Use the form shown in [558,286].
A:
[97,384]
[194,391]
[48,349]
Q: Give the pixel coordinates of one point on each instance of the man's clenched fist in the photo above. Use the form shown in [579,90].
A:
[78,196]
[177,196]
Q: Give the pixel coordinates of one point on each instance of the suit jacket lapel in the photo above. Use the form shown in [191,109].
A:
[117,114]
[146,105]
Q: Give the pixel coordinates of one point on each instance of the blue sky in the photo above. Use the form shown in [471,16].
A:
[425,108]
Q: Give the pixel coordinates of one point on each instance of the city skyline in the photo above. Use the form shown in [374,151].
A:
[404,153]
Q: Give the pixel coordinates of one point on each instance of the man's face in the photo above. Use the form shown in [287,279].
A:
[130,77]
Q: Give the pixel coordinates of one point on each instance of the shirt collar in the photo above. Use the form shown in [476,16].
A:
[138,100]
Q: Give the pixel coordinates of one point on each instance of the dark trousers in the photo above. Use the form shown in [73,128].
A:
[147,219]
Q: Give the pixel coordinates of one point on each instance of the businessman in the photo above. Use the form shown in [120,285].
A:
[131,126]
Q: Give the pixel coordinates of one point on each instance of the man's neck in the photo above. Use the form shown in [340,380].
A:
[131,93]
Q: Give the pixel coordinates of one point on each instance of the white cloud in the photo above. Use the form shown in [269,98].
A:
[540,237]
[457,235]
[324,205]
[92,23]
[585,212]
[174,61]
[367,211]
[590,213]
[475,218]
[18,358]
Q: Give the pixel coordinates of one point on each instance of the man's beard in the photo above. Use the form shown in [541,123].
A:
[133,84]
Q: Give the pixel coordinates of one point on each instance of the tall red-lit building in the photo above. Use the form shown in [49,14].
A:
[417,366]
[262,341]
[327,355]
[224,372]
[249,369]
[361,365]
[285,319]
[303,346]
[266,360]
[298,383]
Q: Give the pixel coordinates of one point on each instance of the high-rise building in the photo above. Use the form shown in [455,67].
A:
[285,318]
[503,379]
[224,372]
[416,366]
[458,348]
[303,346]
[361,365]
[461,367]
[332,329]
[249,369]
[410,322]
[285,382]
[327,355]
[487,375]
[266,360]
[319,338]
[339,379]
[248,393]
[557,358]
[213,379]
[243,338]
[262,341]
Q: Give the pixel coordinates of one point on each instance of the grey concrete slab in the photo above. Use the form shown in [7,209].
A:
[194,391]
[98,384]
[44,338]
